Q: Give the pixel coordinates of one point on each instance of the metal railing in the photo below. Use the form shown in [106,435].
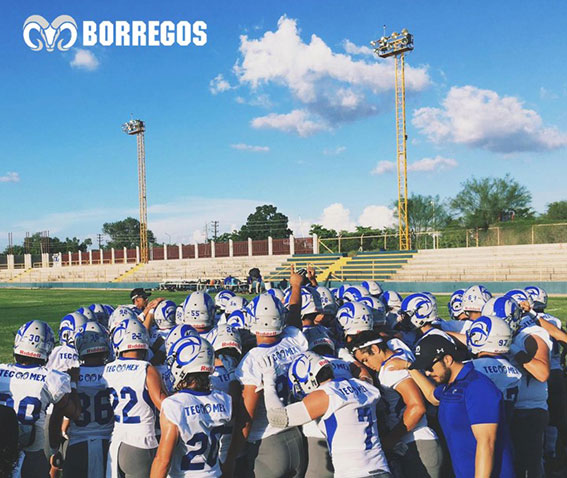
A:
[513,234]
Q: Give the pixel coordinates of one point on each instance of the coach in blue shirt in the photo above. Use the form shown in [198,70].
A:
[471,410]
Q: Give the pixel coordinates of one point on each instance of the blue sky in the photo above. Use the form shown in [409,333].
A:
[285,104]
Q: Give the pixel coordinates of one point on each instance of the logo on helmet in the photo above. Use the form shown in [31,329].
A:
[480,331]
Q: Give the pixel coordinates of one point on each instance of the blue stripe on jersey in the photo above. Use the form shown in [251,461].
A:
[194,392]
[270,345]
[331,428]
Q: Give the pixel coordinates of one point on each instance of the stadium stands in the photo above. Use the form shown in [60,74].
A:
[321,262]
[539,262]
[377,266]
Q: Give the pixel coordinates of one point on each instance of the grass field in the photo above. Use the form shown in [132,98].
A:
[17,306]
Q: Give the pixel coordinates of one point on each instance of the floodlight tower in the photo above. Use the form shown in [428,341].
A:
[396,45]
[137,127]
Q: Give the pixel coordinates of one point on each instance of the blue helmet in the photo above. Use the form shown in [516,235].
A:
[520,295]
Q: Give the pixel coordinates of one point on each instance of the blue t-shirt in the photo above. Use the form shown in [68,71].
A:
[473,399]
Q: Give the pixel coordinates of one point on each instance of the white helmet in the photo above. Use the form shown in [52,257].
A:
[303,371]
[310,301]
[341,290]
[34,339]
[69,325]
[268,315]
[376,307]
[539,297]
[489,334]
[238,320]
[277,293]
[235,303]
[88,313]
[391,300]
[222,298]
[130,334]
[354,317]
[318,335]
[100,313]
[455,304]
[179,315]
[420,308]
[91,338]
[504,308]
[475,297]
[176,333]
[328,303]
[372,287]
[355,293]
[520,295]
[121,313]
[199,310]
[191,354]
[226,337]
[164,315]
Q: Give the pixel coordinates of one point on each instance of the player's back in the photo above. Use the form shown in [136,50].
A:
[29,389]
[97,416]
[134,414]
[351,429]
[200,418]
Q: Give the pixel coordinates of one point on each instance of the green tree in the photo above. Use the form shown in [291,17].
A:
[486,201]
[265,221]
[556,211]
[322,232]
[36,244]
[425,213]
[125,233]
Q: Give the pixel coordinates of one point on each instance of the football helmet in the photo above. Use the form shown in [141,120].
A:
[504,308]
[489,334]
[539,297]
[119,314]
[130,334]
[354,317]
[391,300]
[222,298]
[474,298]
[373,288]
[69,325]
[355,293]
[199,309]
[303,371]
[420,308]
[191,354]
[164,314]
[226,337]
[34,339]
[91,338]
[455,304]
[318,335]
[268,315]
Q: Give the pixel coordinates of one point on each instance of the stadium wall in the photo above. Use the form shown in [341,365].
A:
[552,288]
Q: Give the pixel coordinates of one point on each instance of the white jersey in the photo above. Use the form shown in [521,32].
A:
[458,326]
[199,416]
[134,415]
[220,380]
[63,358]
[97,416]
[341,371]
[395,406]
[533,393]
[555,361]
[29,389]
[351,428]
[292,342]
[503,374]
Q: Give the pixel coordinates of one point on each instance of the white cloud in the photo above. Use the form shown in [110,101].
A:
[438,163]
[546,94]
[198,236]
[377,217]
[218,84]
[353,49]
[249,147]
[384,167]
[483,119]
[337,217]
[334,152]
[85,60]
[10,177]
[298,121]
[331,86]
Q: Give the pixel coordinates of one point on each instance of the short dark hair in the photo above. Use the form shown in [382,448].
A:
[326,373]
[23,360]
[198,381]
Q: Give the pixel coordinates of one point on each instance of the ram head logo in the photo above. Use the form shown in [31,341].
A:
[49,33]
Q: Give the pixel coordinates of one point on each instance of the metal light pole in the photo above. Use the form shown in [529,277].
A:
[396,45]
[137,128]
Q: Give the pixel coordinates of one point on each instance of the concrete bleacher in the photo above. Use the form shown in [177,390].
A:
[538,262]
[372,266]
[83,273]
[203,268]
[321,262]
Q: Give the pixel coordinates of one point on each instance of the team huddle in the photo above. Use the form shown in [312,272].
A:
[308,382]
